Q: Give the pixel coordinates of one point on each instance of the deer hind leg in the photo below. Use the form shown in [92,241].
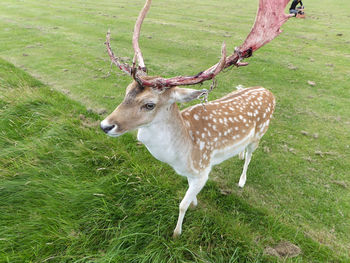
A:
[194,202]
[248,155]
[195,186]
[241,155]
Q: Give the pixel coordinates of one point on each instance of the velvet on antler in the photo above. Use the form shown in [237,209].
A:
[269,19]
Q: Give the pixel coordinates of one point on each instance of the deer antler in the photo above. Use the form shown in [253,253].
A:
[135,43]
[269,19]
[135,38]
[123,66]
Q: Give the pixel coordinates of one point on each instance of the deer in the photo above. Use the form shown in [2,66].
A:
[195,139]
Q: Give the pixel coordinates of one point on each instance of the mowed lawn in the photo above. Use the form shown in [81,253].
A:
[68,193]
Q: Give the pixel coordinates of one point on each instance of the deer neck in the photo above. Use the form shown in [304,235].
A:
[167,139]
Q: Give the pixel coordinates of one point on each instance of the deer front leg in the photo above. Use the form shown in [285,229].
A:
[195,186]
[248,155]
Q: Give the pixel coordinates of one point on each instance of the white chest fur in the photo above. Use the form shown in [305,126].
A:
[160,141]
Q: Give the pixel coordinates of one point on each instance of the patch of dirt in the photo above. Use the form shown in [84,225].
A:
[320,153]
[65,91]
[286,148]
[226,191]
[99,111]
[109,97]
[284,249]
[87,122]
[308,158]
[341,183]
[266,149]
[304,133]
[271,252]
[292,67]
[311,83]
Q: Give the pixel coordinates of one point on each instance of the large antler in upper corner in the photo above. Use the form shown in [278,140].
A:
[269,19]
[267,26]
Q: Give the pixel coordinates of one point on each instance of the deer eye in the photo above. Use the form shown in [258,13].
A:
[149,106]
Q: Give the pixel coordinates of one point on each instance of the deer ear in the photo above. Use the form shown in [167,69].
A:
[186,95]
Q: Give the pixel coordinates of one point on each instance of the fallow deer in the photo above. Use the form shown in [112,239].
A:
[195,139]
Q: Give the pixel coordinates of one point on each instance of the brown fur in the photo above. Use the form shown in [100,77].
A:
[223,122]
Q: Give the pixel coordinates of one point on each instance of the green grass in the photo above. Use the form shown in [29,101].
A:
[69,193]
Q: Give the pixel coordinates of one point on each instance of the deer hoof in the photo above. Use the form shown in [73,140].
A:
[176,234]
[241,184]
[193,206]
[194,203]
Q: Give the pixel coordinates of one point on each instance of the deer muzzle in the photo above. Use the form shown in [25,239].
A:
[109,129]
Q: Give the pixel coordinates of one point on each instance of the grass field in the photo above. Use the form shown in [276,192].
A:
[68,193]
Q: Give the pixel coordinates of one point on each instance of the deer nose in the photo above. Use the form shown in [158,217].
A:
[106,127]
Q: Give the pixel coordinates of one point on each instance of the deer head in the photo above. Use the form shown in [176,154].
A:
[142,105]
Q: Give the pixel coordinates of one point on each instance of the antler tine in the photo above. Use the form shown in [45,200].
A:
[221,65]
[270,17]
[123,66]
[135,38]
[135,42]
